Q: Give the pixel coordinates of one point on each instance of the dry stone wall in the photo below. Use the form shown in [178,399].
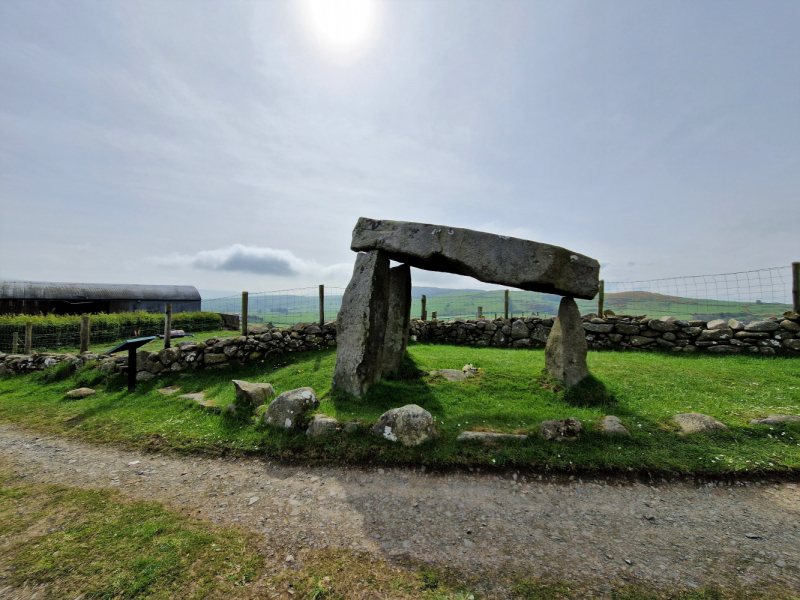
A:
[771,337]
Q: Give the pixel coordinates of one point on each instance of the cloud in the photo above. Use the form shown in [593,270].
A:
[249,259]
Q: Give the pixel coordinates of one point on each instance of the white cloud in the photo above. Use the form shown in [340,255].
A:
[250,259]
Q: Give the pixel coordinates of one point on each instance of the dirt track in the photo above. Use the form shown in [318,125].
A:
[598,531]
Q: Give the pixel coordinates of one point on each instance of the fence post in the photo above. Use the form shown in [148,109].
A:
[28,338]
[14,342]
[480,312]
[84,333]
[424,313]
[167,324]
[601,298]
[322,304]
[244,313]
[506,304]
[796,286]
[433,315]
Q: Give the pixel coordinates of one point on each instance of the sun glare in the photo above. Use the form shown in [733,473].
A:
[342,24]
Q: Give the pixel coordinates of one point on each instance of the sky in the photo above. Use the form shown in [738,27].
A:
[233,145]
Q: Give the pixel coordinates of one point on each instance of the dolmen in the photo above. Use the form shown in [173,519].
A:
[374,318]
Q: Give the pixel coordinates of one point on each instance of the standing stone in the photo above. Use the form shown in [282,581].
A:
[361,325]
[565,353]
[398,319]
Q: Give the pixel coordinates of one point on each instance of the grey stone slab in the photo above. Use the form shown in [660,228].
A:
[487,257]
[398,319]
[361,325]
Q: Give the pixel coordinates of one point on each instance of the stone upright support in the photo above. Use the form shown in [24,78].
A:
[361,325]
[398,319]
[565,353]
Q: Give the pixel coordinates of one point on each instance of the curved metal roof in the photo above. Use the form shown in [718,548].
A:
[44,290]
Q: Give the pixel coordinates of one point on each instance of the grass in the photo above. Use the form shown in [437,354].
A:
[99,544]
[510,395]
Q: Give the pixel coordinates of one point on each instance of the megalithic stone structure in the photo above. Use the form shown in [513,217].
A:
[488,257]
[398,320]
[361,324]
[374,319]
[566,349]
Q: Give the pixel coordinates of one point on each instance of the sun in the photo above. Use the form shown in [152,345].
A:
[342,24]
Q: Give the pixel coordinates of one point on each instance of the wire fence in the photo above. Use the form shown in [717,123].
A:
[746,295]
[281,308]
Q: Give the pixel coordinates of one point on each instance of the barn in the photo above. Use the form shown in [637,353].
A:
[35,297]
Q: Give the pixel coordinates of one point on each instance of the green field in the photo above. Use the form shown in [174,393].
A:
[644,390]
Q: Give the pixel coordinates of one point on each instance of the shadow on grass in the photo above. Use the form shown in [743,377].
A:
[590,392]
[407,386]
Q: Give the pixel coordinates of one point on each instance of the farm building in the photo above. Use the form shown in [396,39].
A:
[35,297]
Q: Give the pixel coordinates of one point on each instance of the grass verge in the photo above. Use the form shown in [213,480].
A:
[510,395]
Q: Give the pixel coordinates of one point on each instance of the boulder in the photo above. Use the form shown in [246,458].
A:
[775,420]
[717,324]
[410,425]
[561,429]
[80,393]
[791,315]
[362,325]
[792,344]
[790,325]
[639,340]
[735,325]
[255,394]
[762,326]
[613,426]
[322,425]
[290,409]
[715,335]
[398,319]
[144,376]
[627,329]
[565,353]
[487,257]
[599,327]
[489,436]
[697,423]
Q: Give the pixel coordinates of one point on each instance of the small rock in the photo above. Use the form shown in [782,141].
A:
[775,420]
[351,426]
[322,425]
[561,429]
[410,425]
[289,410]
[611,425]
[696,423]
[253,500]
[80,393]
[289,558]
[135,462]
[253,393]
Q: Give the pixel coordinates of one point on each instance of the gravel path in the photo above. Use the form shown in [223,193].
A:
[595,530]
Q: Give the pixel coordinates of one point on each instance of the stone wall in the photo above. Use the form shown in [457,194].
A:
[780,336]
[775,336]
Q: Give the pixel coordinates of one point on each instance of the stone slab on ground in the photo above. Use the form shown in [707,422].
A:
[490,436]
[697,423]
[255,394]
[776,420]
[169,390]
[561,429]
[487,257]
[451,374]
[80,393]
[322,425]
